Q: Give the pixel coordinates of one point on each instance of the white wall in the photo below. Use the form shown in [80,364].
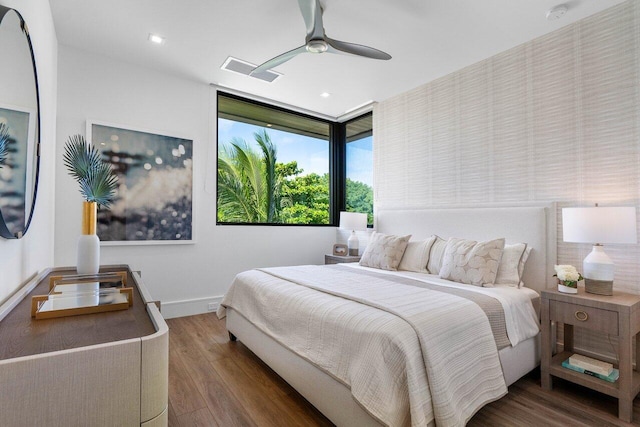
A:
[20,259]
[184,277]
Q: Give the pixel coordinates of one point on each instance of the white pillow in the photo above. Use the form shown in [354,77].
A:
[384,251]
[471,262]
[435,255]
[511,265]
[416,256]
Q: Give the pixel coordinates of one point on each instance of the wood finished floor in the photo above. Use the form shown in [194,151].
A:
[214,382]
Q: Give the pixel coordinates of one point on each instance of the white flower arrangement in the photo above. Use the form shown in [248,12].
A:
[567,275]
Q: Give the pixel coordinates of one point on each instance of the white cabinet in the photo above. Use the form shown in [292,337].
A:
[100,369]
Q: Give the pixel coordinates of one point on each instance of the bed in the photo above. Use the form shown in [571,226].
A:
[310,356]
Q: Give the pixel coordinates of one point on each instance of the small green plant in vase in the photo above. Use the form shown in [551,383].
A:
[98,184]
[568,278]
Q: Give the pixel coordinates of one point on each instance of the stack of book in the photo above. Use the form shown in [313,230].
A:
[595,368]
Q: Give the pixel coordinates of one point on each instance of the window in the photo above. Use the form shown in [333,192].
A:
[277,166]
[273,165]
[359,162]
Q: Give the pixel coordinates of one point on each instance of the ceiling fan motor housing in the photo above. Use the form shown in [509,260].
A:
[317,46]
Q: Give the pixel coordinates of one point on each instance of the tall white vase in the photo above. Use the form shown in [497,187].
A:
[88,261]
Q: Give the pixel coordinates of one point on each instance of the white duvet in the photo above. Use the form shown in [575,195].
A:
[520,317]
[409,355]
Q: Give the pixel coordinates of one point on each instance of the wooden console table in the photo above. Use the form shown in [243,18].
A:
[94,369]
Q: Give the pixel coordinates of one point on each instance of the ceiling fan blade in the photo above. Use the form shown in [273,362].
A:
[312,14]
[274,62]
[357,49]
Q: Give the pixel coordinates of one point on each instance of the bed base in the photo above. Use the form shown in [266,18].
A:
[330,396]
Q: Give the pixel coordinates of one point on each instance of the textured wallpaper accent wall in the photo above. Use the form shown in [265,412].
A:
[555,119]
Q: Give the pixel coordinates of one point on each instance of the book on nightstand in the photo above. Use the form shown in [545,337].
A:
[612,377]
[590,364]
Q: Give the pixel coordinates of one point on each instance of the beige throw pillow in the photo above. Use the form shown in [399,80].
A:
[471,262]
[435,256]
[511,265]
[416,256]
[384,251]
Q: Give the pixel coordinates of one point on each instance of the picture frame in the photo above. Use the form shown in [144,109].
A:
[340,249]
[154,201]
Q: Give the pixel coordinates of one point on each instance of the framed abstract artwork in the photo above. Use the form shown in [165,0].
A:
[154,199]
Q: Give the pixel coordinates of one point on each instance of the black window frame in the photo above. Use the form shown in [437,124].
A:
[337,162]
[344,156]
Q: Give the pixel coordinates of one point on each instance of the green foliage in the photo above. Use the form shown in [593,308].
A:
[286,170]
[360,198]
[96,179]
[254,188]
[248,184]
[309,199]
[4,143]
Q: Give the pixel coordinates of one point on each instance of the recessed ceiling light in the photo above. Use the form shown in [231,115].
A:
[154,38]
[325,94]
[557,12]
[269,125]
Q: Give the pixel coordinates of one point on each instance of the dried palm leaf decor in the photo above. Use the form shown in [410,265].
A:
[97,186]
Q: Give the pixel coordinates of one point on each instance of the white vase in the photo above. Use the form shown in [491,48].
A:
[88,261]
[88,254]
[567,289]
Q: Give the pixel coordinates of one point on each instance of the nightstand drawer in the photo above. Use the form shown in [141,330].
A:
[596,319]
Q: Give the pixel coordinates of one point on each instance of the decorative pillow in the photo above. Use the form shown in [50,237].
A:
[435,256]
[416,256]
[471,262]
[384,251]
[509,270]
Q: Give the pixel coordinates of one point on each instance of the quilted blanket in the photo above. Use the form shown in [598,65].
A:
[409,354]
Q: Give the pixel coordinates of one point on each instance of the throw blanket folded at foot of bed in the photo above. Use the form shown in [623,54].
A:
[410,355]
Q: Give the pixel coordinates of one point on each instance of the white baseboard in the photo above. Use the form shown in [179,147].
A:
[171,309]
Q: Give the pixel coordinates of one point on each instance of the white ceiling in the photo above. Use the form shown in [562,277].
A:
[426,38]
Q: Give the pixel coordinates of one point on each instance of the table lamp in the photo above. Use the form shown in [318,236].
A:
[599,225]
[353,221]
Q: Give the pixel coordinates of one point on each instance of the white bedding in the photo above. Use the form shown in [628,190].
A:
[520,316]
[378,354]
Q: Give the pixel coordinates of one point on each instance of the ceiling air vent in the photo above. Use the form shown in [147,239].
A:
[243,67]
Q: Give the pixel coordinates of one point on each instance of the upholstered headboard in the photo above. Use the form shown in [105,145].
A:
[534,225]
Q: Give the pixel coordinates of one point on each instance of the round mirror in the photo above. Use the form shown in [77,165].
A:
[19,126]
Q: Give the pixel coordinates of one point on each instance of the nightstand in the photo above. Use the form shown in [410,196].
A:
[616,315]
[338,259]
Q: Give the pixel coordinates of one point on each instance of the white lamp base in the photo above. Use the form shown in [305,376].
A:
[598,272]
[353,244]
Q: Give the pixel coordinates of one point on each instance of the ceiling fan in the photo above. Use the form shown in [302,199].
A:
[318,42]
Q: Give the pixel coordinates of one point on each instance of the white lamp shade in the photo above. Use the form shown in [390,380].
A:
[353,221]
[599,225]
